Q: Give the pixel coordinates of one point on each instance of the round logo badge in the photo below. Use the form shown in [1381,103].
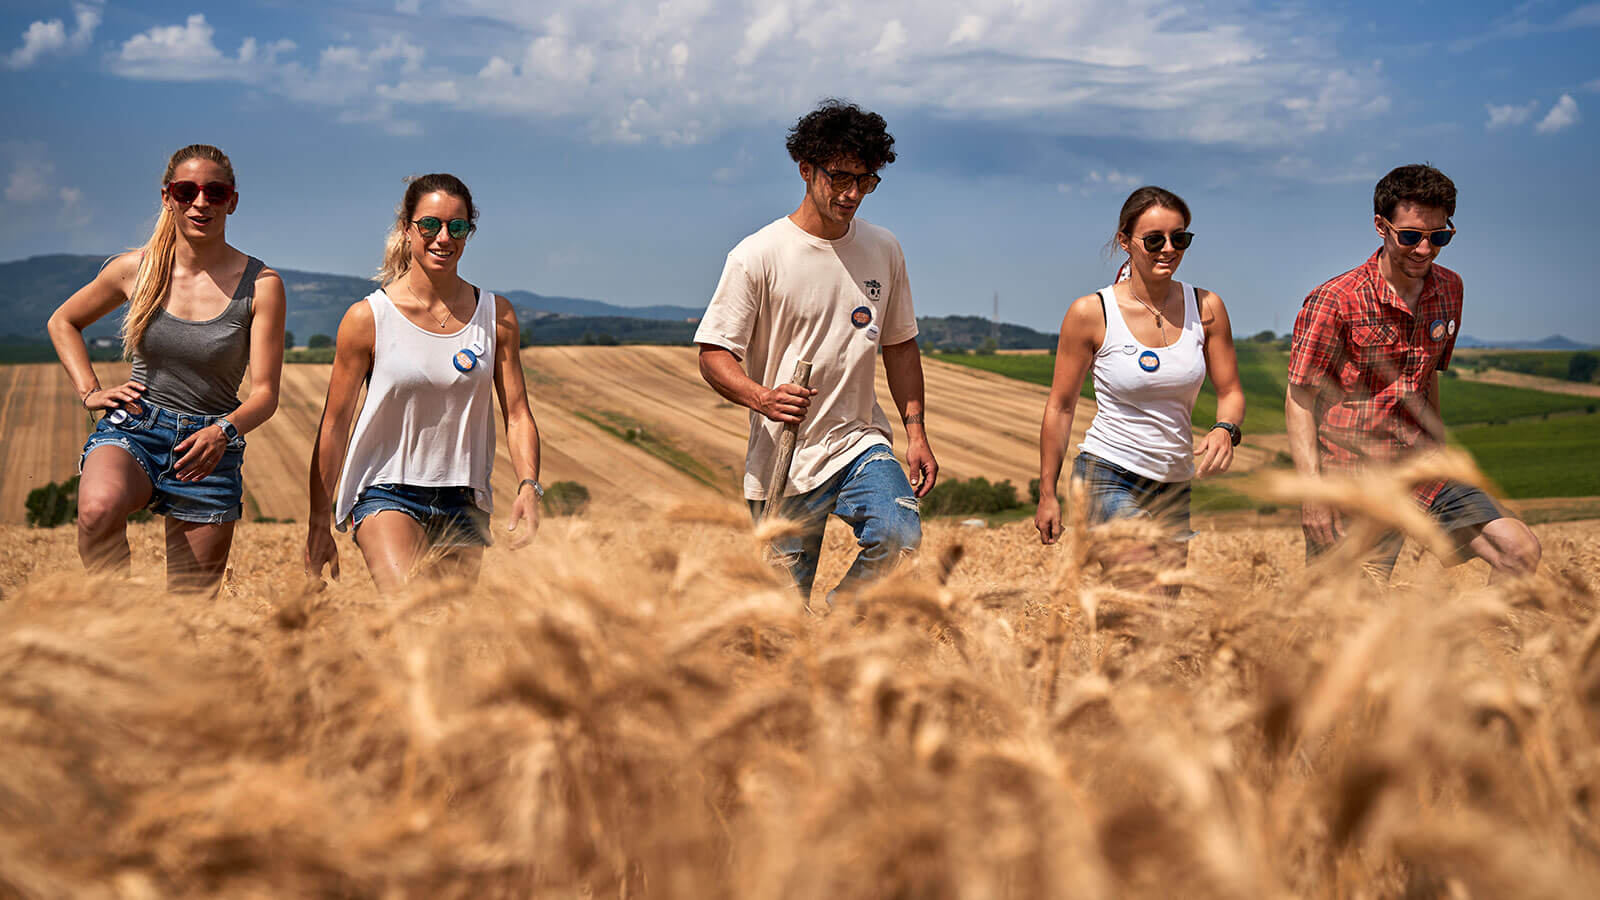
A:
[117,417]
[861,316]
[1149,361]
[465,360]
[1451,327]
[872,332]
[1436,330]
[1129,349]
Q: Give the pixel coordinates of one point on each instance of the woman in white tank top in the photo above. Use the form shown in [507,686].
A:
[413,480]
[1150,341]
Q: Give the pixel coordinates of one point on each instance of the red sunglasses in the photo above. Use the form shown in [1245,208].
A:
[217,192]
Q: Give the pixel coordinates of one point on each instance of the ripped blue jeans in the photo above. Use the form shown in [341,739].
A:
[873,495]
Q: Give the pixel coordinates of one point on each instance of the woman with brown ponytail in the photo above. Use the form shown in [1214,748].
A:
[199,312]
[412,481]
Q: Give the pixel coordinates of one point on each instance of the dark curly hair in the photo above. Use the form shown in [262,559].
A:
[1420,184]
[839,128]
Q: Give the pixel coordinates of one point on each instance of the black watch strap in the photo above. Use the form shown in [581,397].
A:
[1233,431]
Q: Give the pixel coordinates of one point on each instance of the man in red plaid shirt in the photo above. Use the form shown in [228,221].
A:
[1364,375]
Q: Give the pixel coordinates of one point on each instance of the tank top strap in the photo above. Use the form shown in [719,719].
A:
[1117,332]
[242,304]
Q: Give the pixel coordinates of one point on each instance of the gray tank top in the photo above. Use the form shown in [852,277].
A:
[196,367]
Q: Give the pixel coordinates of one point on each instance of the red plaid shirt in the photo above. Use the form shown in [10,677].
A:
[1372,361]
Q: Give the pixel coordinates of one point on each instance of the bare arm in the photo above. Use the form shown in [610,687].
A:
[522,432]
[352,359]
[902,368]
[1322,523]
[90,303]
[1083,329]
[721,369]
[1215,448]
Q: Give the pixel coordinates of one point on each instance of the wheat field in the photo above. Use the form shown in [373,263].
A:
[636,706]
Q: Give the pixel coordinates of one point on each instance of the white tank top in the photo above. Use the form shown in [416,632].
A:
[1146,394]
[428,417]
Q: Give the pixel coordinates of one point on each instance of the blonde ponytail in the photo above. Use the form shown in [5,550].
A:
[150,287]
[396,255]
[155,262]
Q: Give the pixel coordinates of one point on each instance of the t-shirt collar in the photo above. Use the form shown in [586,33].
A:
[821,242]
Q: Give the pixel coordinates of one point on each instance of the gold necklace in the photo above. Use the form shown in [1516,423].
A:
[448,315]
[1153,311]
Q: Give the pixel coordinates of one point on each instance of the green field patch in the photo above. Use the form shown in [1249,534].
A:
[1263,375]
[1538,459]
[632,431]
[1556,364]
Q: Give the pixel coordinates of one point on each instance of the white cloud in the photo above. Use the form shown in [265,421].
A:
[34,192]
[1510,114]
[1592,86]
[43,38]
[1212,72]
[1101,181]
[1563,115]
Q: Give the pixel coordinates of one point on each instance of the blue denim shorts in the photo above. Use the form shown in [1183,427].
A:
[1457,506]
[1113,492]
[149,436]
[448,515]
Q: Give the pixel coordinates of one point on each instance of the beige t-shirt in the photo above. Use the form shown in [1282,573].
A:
[787,295]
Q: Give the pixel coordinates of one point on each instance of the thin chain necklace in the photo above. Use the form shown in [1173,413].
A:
[448,315]
[1160,323]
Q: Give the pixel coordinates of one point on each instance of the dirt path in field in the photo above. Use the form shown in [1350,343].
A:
[1531,382]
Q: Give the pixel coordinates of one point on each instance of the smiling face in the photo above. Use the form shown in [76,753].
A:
[836,209]
[1416,260]
[199,219]
[440,253]
[1159,264]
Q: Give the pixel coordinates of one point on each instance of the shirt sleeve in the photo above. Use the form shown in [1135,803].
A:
[899,316]
[730,318]
[1317,342]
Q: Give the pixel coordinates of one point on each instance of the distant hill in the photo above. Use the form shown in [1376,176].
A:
[970,332]
[1553,342]
[31,288]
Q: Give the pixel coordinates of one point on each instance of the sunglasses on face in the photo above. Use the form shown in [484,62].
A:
[1410,237]
[841,181]
[217,192]
[1154,242]
[429,226]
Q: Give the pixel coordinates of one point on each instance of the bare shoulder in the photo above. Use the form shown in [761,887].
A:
[268,275]
[1085,310]
[1207,299]
[503,308]
[121,269]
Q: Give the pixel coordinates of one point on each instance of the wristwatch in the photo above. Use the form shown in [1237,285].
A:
[1232,430]
[538,489]
[228,431]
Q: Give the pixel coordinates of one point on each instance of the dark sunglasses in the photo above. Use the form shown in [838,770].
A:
[1410,237]
[430,225]
[1154,242]
[217,192]
[841,181]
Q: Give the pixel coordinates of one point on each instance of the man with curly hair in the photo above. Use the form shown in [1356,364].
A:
[1364,376]
[822,285]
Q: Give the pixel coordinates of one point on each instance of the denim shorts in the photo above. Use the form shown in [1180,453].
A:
[149,436]
[1113,492]
[448,515]
[1457,506]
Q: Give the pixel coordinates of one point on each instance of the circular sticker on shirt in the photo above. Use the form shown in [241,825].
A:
[872,332]
[465,360]
[1436,330]
[1451,328]
[861,316]
[1149,361]
[1129,349]
[117,417]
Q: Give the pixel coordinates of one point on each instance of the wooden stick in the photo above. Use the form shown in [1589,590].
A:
[778,481]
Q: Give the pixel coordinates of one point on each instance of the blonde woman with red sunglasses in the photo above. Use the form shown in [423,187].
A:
[199,312]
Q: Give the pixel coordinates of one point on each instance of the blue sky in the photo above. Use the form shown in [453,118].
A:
[618,149]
